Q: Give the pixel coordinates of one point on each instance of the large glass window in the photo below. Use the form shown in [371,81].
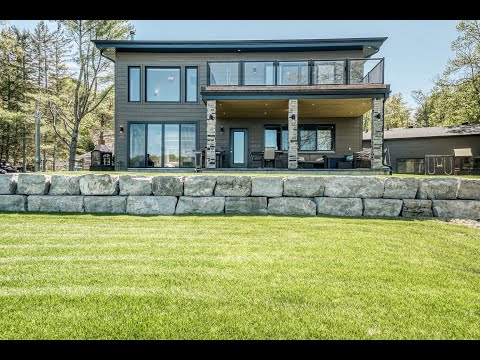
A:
[258,73]
[137,145]
[187,143]
[154,145]
[163,84]
[316,137]
[276,136]
[134,83]
[292,73]
[223,73]
[191,80]
[162,145]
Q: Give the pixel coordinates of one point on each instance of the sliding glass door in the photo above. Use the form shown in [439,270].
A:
[162,145]
[154,145]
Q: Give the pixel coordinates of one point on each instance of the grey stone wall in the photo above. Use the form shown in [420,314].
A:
[197,194]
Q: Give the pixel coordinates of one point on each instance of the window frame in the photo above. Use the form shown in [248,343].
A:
[163,123]
[139,84]
[196,86]
[179,68]
[276,127]
[317,127]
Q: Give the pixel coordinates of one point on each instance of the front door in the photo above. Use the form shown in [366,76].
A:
[238,148]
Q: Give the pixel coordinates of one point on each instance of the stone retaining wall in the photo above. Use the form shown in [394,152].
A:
[199,194]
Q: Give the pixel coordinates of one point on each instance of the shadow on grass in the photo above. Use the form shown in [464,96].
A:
[365,218]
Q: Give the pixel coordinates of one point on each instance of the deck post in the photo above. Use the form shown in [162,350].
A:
[211,162]
[377,133]
[292,134]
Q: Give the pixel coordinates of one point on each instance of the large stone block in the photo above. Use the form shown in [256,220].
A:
[200,205]
[303,186]
[94,184]
[233,186]
[8,184]
[267,186]
[382,207]
[48,203]
[438,188]
[417,208]
[151,205]
[64,185]
[135,185]
[457,209]
[291,206]
[167,185]
[339,206]
[469,189]
[33,184]
[246,205]
[13,202]
[400,188]
[105,204]
[199,185]
[354,186]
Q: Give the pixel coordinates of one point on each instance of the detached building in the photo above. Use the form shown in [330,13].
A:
[411,149]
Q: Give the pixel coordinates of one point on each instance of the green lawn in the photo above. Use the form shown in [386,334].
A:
[237,277]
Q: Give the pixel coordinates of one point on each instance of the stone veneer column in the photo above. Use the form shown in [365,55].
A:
[292,133]
[377,133]
[211,162]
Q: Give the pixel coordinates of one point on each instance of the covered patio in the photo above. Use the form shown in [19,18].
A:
[275,134]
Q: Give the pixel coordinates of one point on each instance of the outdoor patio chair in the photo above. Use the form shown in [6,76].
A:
[269,156]
[255,156]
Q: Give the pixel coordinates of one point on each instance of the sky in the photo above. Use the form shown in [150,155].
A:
[415,52]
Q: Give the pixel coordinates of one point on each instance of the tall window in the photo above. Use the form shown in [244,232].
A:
[276,136]
[162,84]
[316,137]
[191,84]
[162,144]
[134,83]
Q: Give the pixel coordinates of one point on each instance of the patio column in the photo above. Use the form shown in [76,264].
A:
[292,133]
[377,133]
[211,134]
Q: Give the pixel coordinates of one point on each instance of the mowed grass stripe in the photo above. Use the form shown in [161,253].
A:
[236,277]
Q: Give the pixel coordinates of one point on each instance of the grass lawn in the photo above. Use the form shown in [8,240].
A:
[237,277]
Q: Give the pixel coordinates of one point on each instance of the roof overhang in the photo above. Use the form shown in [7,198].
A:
[295,92]
[369,46]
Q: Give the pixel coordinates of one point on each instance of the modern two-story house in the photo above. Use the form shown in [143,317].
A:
[239,102]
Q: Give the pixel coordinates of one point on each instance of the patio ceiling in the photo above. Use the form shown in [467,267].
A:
[306,108]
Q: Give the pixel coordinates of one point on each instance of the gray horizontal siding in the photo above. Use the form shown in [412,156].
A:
[419,147]
[178,112]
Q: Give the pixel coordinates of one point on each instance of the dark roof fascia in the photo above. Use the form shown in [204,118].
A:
[369,45]
[296,94]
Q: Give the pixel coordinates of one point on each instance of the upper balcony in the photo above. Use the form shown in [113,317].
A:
[296,73]
[349,77]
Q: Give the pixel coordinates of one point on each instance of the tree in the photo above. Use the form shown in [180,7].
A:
[396,113]
[93,80]
[424,108]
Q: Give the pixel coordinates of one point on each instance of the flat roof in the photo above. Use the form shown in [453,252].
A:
[369,45]
[427,132]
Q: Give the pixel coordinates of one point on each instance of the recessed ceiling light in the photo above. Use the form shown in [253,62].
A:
[239,50]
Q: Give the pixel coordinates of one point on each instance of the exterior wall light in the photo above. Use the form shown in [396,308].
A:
[121,129]
[221,129]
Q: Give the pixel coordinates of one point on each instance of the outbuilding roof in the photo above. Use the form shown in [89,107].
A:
[427,132]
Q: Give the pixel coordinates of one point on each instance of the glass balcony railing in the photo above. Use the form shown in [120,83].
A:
[301,72]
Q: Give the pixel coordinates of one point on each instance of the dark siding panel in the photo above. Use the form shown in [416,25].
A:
[418,148]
